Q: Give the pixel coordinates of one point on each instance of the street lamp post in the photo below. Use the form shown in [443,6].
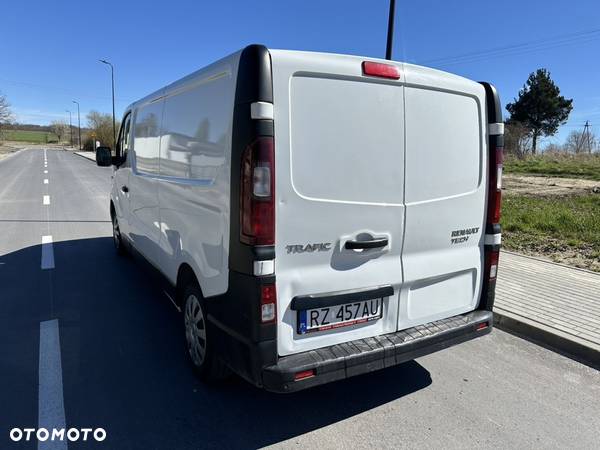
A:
[112,77]
[78,124]
[70,128]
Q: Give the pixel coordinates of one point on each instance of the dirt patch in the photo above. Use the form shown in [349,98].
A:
[554,218]
[6,148]
[547,186]
[584,256]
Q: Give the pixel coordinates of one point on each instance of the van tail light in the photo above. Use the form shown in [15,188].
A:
[491,264]
[268,303]
[495,185]
[257,192]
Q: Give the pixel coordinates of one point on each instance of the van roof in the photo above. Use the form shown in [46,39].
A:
[198,73]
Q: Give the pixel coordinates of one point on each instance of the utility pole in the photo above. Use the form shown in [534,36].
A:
[70,128]
[78,124]
[112,77]
[390,32]
[586,132]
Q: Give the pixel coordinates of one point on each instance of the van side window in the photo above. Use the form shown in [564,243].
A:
[146,138]
[195,126]
[123,144]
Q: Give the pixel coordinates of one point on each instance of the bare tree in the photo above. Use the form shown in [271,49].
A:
[59,128]
[579,142]
[6,115]
[554,148]
[101,125]
[517,139]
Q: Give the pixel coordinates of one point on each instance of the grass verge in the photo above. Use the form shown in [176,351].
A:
[37,137]
[556,164]
[564,228]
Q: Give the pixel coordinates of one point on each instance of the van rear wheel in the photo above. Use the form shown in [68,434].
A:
[198,338]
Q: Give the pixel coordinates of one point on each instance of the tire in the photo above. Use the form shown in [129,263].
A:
[200,347]
[117,238]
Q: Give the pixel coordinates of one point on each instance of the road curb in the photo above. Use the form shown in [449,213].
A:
[84,156]
[551,338]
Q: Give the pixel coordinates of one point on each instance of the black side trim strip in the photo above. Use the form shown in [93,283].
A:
[493,228]
[263,252]
[492,248]
[254,84]
[494,109]
[323,300]
[494,113]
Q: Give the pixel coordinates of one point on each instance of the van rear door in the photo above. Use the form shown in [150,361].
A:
[445,194]
[339,140]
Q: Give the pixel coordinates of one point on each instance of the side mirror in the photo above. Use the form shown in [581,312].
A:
[103,157]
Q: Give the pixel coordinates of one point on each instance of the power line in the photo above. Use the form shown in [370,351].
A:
[63,90]
[518,49]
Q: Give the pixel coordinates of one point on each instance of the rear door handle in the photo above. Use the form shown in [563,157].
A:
[125,189]
[363,245]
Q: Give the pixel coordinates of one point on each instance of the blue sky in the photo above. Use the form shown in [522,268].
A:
[50,50]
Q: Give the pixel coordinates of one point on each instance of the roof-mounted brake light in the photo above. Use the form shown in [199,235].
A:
[375,69]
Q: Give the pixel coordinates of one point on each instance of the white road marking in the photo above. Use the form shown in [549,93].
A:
[47,253]
[45,180]
[51,407]
[45,171]
[46,199]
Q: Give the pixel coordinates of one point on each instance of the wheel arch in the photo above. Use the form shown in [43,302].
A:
[185,275]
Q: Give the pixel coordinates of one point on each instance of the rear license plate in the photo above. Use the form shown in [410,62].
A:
[331,317]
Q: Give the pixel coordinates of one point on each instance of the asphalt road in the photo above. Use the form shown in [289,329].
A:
[124,368]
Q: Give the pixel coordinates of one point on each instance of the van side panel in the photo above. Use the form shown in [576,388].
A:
[143,207]
[446,157]
[194,176]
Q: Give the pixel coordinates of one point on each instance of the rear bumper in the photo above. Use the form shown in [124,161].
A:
[367,355]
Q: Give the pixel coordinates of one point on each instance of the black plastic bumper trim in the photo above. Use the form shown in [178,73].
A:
[302,302]
[367,355]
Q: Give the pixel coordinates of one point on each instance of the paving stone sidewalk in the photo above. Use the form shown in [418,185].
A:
[553,304]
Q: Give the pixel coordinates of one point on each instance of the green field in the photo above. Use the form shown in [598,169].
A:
[556,226]
[555,164]
[38,137]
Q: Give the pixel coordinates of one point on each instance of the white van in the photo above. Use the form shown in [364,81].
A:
[314,216]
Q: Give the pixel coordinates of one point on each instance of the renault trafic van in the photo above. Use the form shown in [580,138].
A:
[314,216]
